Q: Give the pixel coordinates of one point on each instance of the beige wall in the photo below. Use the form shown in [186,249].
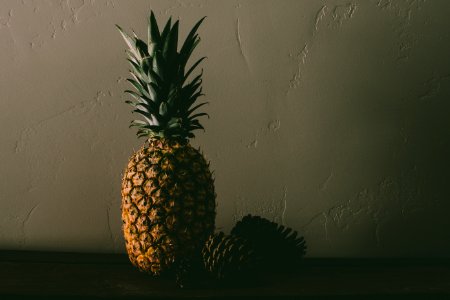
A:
[331,117]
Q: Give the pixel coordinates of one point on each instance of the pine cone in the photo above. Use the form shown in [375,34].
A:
[228,257]
[279,247]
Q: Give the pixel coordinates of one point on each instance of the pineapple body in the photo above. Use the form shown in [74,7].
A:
[168,204]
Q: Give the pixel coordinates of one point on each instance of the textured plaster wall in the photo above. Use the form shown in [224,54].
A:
[331,117]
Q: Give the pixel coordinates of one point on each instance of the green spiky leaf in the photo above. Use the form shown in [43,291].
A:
[139,87]
[141,47]
[190,39]
[193,117]
[137,123]
[154,35]
[192,68]
[171,43]
[190,111]
[129,41]
[166,29]
[163,109]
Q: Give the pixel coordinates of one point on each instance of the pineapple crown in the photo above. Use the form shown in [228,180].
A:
[162,95]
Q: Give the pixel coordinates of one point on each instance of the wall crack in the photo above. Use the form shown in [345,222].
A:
[239,40]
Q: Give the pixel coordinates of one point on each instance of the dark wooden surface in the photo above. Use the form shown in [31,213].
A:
[47,275]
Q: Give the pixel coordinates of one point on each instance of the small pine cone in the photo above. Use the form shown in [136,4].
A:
[228,257]
[279,247]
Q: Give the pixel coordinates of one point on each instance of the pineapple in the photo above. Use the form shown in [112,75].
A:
[168,198]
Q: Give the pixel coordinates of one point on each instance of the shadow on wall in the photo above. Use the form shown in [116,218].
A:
[422,190]
[399,138]
[379,115]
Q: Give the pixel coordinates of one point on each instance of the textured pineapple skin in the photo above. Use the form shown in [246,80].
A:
[168,204]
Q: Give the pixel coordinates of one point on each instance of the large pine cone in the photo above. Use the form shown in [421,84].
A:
[279,247]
